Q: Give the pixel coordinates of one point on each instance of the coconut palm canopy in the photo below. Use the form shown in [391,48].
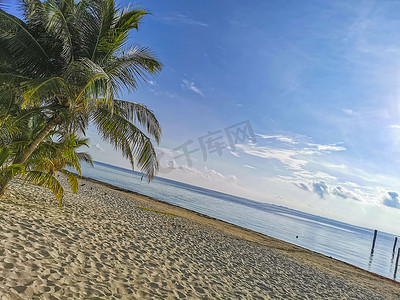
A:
[67,61]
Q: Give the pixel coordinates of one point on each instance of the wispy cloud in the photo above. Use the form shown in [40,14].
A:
[248,166]
[285,156]
[396,126]
[280,138]
[189,85]
[290,152]
[303,186]
[98,147]
[392,200]
[323,189]
[162,93]
[344,193]
[234,154]
[152,82]
[332,147]
[174,160]
[320,188]
[350,112]
[181,19]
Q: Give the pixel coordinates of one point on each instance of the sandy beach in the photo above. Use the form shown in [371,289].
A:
[110,244]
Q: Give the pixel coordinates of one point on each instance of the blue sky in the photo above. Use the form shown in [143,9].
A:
[318,82]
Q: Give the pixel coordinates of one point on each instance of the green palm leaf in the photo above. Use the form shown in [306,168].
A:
[36,90]
[126,137]
[131,68]
[72,179]
[57,24]
[17,39]
[140,113]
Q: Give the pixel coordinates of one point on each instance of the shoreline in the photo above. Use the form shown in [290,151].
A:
[232,229]
[109,241]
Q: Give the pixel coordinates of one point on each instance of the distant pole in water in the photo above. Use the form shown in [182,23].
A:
[395,243]
[373,241]
[397,262]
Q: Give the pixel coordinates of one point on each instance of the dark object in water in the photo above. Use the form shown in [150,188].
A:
[396,264]
[373,241]
[297,236]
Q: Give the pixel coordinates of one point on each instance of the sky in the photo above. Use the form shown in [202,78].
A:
[295,103]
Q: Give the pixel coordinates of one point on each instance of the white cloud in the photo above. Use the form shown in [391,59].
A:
[328,148]
[323,189]
[190,86]
[395,126]
[163,93]
[173,160]
[285,156]
[204,172]
[152,82]
[250,167]
[392,200]
[235,154]
[232,179]
[181,19]
[296,158]
[344,193]
[303,186]
[312,175]
[280,138]
[350,112]
[294,141]
[98,147]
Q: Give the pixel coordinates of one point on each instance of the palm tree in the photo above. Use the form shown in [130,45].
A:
[68,61]
[18,128]
[50,156]
[47,159]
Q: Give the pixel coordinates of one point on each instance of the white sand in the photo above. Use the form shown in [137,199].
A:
[102,246]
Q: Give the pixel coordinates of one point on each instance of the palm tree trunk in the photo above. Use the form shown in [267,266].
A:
[28,151]
[39,138]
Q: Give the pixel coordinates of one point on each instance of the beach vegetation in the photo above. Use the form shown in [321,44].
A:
[57,151]
[64,66]
[156,211]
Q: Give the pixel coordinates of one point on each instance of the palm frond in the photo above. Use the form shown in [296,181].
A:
[12,79]
[72,179]
[91,81]
[127,138]
[4,155]
[11,171]
[86,157]
[57,25]
[140,113]
[25,49]
[118,34]
[94,20]
[44,88]
[131,68]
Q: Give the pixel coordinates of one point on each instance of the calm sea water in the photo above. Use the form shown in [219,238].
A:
[339,240]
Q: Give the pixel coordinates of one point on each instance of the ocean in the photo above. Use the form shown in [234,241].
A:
[345,242]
